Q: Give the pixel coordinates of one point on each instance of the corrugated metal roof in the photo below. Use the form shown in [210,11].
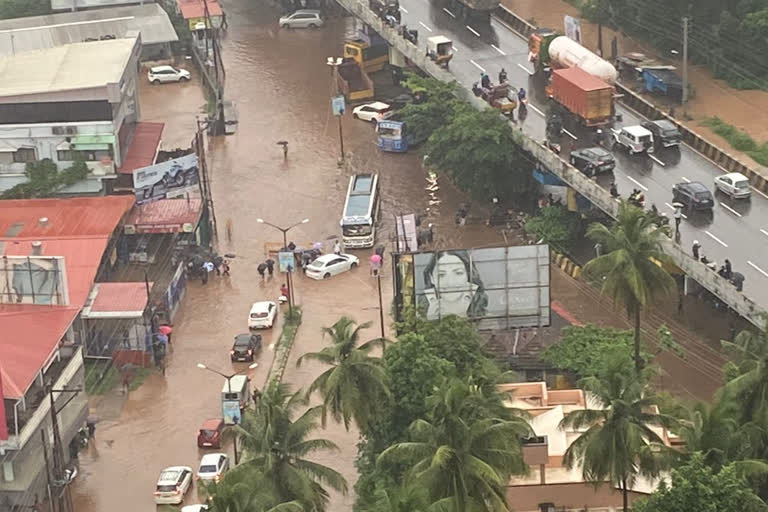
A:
[30,336]
[581,78]
[166,212]
[75,217]
[196,9]
[143,147]
[120,297]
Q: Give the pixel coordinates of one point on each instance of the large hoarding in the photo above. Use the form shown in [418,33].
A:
[33,280]
[173,178]
[499,288]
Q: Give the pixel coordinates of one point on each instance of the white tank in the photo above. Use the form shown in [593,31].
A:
[567,53]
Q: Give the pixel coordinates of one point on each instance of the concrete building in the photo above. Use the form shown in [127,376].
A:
[53,106]
[39,32]
[551,486]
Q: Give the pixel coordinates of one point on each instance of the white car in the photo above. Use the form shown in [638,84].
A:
[373,112]
[194,508]
[733,184]
[303,18]
[262,315]
[173,484]
[213,466]
[635,139]
[329,265]
[162,74]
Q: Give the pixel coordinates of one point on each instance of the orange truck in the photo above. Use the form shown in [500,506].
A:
[582,95]
[354,82]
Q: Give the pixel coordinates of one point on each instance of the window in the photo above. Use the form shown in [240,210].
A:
[8,475]
[88,155]
[24,155]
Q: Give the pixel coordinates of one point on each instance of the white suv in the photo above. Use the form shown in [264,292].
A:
[160,74]
[305,18]
[373,112]
[635,138]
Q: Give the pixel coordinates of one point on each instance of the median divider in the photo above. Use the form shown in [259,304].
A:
[284,345]
[565,263]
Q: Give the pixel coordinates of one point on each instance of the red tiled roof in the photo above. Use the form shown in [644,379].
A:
[165,215]
[196,9]
[76,217]
[120,297]
[30,336]
[143,147]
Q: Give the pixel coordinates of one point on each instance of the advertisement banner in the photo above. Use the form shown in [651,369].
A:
[230,410]
[174,178]
[573,28]
[337,104]
[499,288]
[286,261]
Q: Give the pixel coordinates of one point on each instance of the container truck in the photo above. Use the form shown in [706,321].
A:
[370,58]
[353,81]
[549,50]
[582,95]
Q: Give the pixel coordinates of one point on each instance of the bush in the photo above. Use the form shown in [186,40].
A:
[739,140]
[556,226]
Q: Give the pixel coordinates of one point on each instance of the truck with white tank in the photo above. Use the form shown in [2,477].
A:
[549,50]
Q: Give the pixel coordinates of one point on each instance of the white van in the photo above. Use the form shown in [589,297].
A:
[235,397]
[635,138]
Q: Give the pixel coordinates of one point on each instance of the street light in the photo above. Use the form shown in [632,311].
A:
[334,63]
[285,231]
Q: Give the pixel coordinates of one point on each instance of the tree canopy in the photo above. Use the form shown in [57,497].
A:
[591,351]
[44,179]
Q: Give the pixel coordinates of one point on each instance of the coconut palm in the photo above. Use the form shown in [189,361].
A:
[631,266]
[245,489]
[276,444]
[711,430]
[619,443]
[355,384]
[750,376]
[462,459]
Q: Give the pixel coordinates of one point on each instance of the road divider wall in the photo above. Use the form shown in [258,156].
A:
[588,188]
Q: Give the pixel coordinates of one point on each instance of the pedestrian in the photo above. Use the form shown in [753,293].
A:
[126,381]
[285,292]
[225,267]
[380,251]
[204,273]
[336,248]
[375,264]
[261,268]
[270,266]
[680,297]
[728,269]
[678,217]
[91,426]
[695,249]
[284,143]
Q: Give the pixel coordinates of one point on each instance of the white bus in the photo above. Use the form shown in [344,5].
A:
[358,221]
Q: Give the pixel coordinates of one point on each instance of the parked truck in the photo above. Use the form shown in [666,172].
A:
[371,58]
[549,50]
[581,95]
[354,82]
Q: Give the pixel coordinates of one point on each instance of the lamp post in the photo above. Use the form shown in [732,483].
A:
[334,63]
[285,231]
[229,390]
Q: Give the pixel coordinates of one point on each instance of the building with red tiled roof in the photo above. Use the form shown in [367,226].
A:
[143,148]
[194,12]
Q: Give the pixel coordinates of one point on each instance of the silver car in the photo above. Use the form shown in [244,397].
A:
[305,18]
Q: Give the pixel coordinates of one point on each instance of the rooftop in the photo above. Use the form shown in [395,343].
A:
[165,216]
[196,8]
[117,300]
[581,78]
[142,149]
[60,68]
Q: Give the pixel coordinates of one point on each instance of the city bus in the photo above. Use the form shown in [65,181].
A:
[358,221]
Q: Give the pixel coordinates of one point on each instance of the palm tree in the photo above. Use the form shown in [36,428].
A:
[750,376]
[462,459]
[245,489]
[631,268]
[355,384]
[276,444]
[618,444]
[710,429]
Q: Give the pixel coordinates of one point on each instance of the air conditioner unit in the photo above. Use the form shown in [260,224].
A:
[547,507]
[64,130]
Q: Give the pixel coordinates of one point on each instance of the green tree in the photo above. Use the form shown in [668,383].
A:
[630,267]
[555,225]
[749,376]
[482,154]
[709,430]
[695,486]
[591,351]
[619,444]
[277,445]
[436,105]
[44,179]
[245,489]
[461,458]
[355,384]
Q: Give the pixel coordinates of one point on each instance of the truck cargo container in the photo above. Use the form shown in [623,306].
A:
[584,96]
[550,50]
[371,58]
[354,82]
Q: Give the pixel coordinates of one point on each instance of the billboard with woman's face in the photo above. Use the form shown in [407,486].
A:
[500,287]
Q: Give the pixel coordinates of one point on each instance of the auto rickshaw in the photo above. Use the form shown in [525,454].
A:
[440,50]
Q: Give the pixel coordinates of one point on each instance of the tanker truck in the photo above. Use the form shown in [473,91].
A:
[549,50]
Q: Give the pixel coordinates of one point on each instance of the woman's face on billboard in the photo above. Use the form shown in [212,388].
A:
[450,273]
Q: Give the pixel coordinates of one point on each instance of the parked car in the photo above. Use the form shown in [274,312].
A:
[162,74]
[245,347]
[209,435]
[213,466]
[329,265]
[734,184]
[262,315]
[373,112]
[194,508]
[665,133]
[593,160]
[173,484]
[303,18]
[635,139]
[693,195]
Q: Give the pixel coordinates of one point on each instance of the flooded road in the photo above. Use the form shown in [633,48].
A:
[282,87]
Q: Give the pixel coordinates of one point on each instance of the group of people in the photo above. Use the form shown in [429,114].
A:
[218,265]
[725,271]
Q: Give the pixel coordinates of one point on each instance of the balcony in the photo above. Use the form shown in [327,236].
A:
[22,424]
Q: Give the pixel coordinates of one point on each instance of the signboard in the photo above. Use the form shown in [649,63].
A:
[337,105]
[286,261]
[573,28]
[230,410]
[499,288]
[174,178]
[33,280]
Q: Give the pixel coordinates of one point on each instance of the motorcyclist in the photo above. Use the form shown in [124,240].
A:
[521,95]
[502,76]
[485,81]
[614,190]
[598,137]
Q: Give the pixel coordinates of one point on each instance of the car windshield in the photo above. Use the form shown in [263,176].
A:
[672,132]
[261,314]
[208,468]
[742,184]
[645,138]
[166,488]
[242,342]
[169,476]
[359,230]
[207,433]
[317,264]
[702,196]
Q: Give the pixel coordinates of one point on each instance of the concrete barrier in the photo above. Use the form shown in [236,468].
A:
[588,188]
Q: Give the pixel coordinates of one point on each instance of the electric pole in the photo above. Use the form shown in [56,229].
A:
[685,66]
[63,499]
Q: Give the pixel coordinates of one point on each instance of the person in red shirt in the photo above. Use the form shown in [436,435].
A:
[284,291]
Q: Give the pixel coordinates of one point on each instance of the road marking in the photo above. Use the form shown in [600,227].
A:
[681,213]
[713,237]
[764,232]
[533,107]
[472,30]
[449,13]
[685,179]
[730,209]
[570,134]
[633,180]
[404,9]
[524,68]
[498,49]
[478,66]
[757,268]
[759,192]
[455,50]
[657,160]
[426,27]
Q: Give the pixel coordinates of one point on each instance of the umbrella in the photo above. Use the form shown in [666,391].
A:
[165,329]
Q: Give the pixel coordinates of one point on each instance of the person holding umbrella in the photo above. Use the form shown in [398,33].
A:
[167,330]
